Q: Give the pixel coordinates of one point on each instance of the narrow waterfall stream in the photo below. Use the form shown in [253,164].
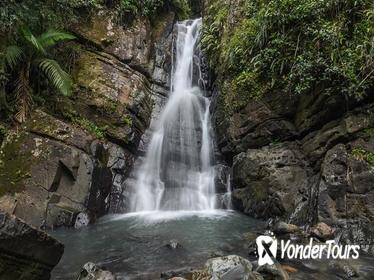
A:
[177,173]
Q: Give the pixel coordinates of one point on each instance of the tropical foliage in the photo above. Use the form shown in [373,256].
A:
[150,8]
[291,46]
[28,58]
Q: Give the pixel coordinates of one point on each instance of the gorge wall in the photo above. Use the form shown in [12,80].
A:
[65,166]
[300,158]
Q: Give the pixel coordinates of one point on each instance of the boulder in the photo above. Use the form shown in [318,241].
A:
[25,252]
[284,228]
[322,231]
[230,267]
[91,271]
[82,220]
[271,181]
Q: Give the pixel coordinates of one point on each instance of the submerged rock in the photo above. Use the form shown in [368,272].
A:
[81,220]
[229,268]
[173,244]
[91,271]
[25,252]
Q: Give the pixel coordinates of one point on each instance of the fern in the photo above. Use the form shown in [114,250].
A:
[12,56]
[32,40]
[52,37]
[56,75]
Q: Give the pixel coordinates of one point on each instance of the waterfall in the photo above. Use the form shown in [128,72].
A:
[177,172]
[228,195]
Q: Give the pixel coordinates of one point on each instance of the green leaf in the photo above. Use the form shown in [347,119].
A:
[12,56]
[56,75]
[52,37]
[32,40]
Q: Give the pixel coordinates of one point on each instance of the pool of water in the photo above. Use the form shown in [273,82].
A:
[133,246]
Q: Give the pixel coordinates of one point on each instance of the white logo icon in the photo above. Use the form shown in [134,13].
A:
[267,249]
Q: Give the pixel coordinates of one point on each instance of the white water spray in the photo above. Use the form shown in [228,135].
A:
[177,173]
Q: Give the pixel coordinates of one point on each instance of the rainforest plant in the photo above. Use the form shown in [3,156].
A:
[28,63]
[290,46]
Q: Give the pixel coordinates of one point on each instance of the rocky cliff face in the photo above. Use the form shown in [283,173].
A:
[66,165]
[300,158]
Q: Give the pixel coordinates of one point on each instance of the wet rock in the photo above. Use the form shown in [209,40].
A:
[334,184]
[82,220]
[358,233]
[284,228]
[343,269]
[173,244]
[222,173]
[25,252]
[322,231]
[255,276]
[228,267]
[181,272]
[273,272]
[91,271]
[271,181]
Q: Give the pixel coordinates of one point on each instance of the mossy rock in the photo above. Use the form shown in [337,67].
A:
[15,161]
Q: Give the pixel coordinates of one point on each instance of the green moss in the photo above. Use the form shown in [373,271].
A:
[369,131]
[362,154]
[15,163]
[88,125]
[127,120]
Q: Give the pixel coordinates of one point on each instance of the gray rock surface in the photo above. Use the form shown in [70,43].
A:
[25,252]
[67,166]
[229,268]
[91,271]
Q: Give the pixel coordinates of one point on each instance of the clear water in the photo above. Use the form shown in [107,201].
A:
[177,172]
[133,246]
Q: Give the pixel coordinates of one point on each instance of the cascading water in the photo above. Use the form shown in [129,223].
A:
[177,172]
